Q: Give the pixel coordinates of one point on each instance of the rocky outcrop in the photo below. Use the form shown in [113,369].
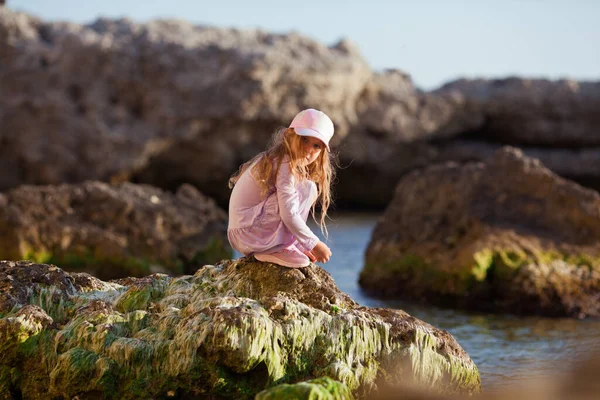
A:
[507,235]
[533,112]
[168,102]
[232,329]
[401,129]
[112,230]
[390,138]
[165,103]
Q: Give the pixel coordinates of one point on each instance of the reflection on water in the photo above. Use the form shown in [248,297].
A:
[506,349]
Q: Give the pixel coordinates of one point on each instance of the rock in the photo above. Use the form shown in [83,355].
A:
[579,382]
[112,230]
[233,329]
[533,112]
[165,102]
[553,121]
[320,388]
[395,120]
[579,164]
[401,129]
[507,235]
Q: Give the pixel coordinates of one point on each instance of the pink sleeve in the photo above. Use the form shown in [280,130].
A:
[289,208]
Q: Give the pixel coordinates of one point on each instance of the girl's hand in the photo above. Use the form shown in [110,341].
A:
[310,255]
[320,253]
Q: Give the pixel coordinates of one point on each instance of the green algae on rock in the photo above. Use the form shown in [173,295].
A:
[504,236]
[316,389]
[113,231]
[233,330]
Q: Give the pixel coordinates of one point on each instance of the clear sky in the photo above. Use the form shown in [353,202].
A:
[435,41]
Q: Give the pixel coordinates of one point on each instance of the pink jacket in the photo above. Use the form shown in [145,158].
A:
[266,225]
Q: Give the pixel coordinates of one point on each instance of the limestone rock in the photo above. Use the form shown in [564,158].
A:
[166,102]
[401,129]
[112,230]
[579,164]
[507,235]
[533,112]
[232,329]
[395,120]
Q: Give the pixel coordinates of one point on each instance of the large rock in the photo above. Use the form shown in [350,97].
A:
[401,129]
[579,164]
[112,230]
[168,102]
[395,120]
[165,102]
[232,329]
[533,112]
[506,235]
[553,121]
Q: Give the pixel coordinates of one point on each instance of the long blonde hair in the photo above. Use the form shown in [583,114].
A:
[285,143]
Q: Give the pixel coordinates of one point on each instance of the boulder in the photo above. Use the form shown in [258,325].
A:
[230,330]
[532,112]
[401,128]
[112,230]
[391,136]
[507,235]
[166,102]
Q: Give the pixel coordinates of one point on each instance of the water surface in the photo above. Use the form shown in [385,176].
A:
[507,349]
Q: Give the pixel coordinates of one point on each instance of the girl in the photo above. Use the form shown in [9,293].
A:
[274,192]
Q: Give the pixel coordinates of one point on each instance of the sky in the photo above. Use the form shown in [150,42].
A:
[435,41]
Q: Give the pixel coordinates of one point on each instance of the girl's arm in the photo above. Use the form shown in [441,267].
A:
[289,208]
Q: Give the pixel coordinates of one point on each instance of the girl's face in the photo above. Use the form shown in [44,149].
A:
[310,148]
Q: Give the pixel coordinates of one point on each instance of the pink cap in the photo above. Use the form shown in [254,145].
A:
[315,123]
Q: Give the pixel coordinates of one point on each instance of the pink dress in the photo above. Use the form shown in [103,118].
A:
[267,225]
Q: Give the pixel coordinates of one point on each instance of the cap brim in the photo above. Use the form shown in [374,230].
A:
[315,134]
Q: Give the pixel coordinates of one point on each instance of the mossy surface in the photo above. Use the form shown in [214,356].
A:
[502,275]
[415,274]
[108,265]
[221,332]
[323,388]
[216,249]
[93,260]
[429,365]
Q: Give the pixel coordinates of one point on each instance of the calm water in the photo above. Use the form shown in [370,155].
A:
[506,349]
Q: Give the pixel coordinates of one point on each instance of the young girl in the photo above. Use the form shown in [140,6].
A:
[274,192]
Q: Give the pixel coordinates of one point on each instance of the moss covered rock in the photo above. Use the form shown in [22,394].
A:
[316,389]
[112,231]
[232,330]
[506,235]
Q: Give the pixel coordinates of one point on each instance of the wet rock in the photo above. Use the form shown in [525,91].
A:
[579,382]
[507,236]
[112,230]
[320,388]
[232,329]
